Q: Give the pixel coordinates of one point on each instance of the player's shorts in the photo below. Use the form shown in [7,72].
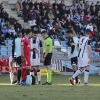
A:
[83,61]
[74,61]
[48,59]
[27,62]
[18,61]
[35,62]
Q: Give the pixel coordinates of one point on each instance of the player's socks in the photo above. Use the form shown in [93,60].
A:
[18,75]
[39,75]
[76,78]
[86,75]
[49,76]
[11,77]
[32,72]
[76,73]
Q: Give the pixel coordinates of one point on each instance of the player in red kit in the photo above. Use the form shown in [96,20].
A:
[25,46]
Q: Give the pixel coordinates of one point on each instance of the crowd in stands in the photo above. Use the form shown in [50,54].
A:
[54,18]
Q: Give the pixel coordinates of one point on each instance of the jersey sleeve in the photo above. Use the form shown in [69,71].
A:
[47,42]
[89,42]
[40,43]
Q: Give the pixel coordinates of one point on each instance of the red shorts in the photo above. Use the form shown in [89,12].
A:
[27,62]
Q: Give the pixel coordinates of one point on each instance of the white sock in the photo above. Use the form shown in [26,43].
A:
[32,73]
[39,76]
[11,77]
[86,76]
[76,74]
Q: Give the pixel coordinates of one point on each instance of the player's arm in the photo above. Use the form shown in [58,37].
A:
[41,47]
[13,48]
[72,45]
[89,49]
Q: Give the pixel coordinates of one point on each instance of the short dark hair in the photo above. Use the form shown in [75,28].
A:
[69,31]
[19,34]
[88,31]
[44,32]
[35,32]
[28,31]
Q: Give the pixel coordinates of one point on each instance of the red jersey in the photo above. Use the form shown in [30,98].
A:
[25,42]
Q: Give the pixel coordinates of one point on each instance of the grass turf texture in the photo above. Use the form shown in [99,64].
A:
[60,90]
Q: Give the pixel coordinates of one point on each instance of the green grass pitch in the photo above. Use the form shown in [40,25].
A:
[60,90]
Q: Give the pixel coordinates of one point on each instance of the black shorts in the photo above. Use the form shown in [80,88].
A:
[48,59]
[74,61]
[18,61]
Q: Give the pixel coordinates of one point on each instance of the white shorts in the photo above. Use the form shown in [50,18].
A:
[83,62]
[35,62]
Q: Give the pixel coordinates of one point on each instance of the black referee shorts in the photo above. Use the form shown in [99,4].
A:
[74,61]
[48,59]
[19,61]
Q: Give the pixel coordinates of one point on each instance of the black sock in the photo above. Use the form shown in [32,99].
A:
[38,70]
[76,78]
[18,75]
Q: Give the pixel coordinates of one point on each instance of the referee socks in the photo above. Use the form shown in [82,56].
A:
[49,76]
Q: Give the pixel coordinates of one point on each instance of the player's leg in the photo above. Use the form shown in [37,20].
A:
[47,63]
[78,72]
[32,72]
[86,74]
[38,73]
[18,60]
[74,66]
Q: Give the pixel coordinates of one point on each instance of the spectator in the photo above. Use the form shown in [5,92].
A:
[70,10]
[50,28]
[71,16]
[77,16]
[59,34]
[87,5]
[32,15]
[56,26]
[69,22]
[12,32]
[43,3]
[55,4]
[1,7]
[4,31]
[31,4]
[90,26]
[44,15]
[36,3]
[74,6]
[63,23]
[38,8]
[5,15]
[96,34]
[97,6]
[12,20]
[2,39]
[80,6]
[26,12]
[64,16]
[61,5]
[19,7]
[57,15]
[63,11]
[76,26]
[24,4]
[51,16]
[88,17]
[93,11]
[17,26]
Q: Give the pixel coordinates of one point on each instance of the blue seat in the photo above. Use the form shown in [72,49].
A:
[63,43]
[64,36]
[3,48]
[8,42]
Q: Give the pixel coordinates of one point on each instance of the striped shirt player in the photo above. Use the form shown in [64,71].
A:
[35,44]
[84,58]
[83,51]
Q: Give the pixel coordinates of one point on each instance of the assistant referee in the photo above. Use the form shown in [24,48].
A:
[47,51]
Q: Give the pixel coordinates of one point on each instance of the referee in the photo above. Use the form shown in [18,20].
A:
[47,51]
